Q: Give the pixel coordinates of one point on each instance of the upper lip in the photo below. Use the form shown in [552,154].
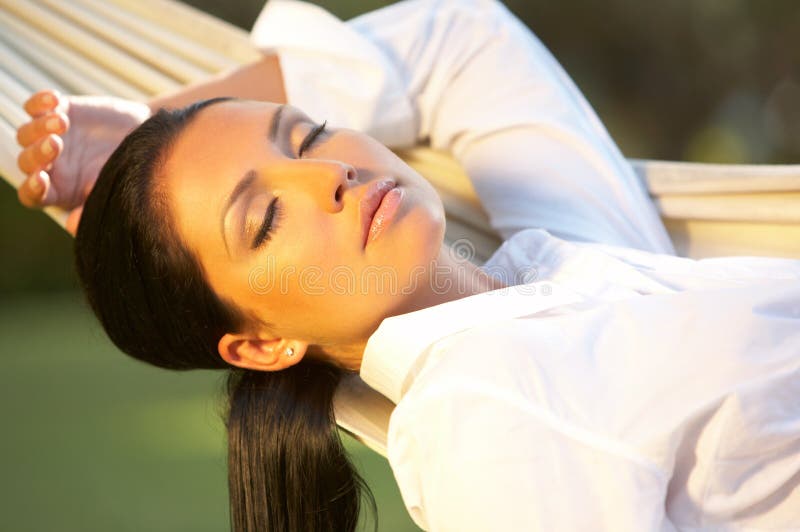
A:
[369,204]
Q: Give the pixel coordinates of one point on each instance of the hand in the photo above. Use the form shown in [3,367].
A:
[66,144]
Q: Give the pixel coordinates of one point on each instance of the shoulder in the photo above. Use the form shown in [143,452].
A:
[470,377]
[482,414]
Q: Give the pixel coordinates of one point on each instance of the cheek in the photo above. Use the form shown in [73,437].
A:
[310,239]
[295,265]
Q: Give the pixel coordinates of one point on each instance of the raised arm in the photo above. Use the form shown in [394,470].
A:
[69,138]
[467,76]
[261,80]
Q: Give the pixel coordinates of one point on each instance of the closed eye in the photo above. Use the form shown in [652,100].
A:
[310,138]
[272,216]
[274,212]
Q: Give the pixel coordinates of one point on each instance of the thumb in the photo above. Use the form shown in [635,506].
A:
[73,220]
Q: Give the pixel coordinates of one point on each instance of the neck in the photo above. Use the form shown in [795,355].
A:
[453,277]
[450,278]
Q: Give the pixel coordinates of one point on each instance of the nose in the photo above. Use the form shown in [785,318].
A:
[328,181]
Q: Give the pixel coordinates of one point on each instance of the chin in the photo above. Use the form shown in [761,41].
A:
[428,227]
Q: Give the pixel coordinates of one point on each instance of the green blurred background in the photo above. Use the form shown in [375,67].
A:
[95,441]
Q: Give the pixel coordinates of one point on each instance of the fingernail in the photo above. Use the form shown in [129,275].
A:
[35,183]
[53,124]
[47,147]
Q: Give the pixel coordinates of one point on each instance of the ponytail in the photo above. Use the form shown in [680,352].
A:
[287,467]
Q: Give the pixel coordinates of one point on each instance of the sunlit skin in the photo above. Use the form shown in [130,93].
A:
[311,283]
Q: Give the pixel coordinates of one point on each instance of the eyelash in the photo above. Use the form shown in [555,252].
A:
[271,222]
[312,136]
[274,211]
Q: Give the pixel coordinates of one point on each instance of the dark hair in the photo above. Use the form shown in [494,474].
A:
[287,467]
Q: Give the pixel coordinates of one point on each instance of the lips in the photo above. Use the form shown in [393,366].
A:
[370,203]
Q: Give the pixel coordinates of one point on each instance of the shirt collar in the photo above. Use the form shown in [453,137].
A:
[393,355]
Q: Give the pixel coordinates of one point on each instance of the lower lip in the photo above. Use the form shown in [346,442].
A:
[385,213]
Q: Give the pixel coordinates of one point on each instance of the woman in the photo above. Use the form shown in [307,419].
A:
[555,388]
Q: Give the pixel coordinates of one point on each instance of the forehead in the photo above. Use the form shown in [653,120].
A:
[209,157]
[215,133]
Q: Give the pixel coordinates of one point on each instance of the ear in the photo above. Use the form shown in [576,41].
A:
[251,352]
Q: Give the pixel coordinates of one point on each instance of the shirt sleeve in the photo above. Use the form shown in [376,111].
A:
[468,459]
[470,78]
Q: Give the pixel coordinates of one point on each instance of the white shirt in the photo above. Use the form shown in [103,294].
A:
[569,401]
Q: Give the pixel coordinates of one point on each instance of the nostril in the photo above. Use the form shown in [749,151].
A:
[339,192]
[351,174]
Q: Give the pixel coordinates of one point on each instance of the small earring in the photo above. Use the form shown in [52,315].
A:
[289,352]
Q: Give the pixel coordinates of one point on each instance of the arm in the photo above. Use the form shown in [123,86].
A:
[470,78]
[260,80]
[89,128]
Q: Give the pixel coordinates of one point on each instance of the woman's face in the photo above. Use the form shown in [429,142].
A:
[283,235]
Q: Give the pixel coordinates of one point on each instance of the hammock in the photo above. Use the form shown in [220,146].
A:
[136,49]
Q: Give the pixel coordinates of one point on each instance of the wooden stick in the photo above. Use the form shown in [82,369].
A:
[96,50]
[197,52]
[123,39]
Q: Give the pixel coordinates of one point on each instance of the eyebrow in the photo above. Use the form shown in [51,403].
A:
[250,176]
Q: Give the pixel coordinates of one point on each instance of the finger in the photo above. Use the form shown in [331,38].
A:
[41,102]
[31,192]
[40,154]
[73,220]
[41,126]
[49,190]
